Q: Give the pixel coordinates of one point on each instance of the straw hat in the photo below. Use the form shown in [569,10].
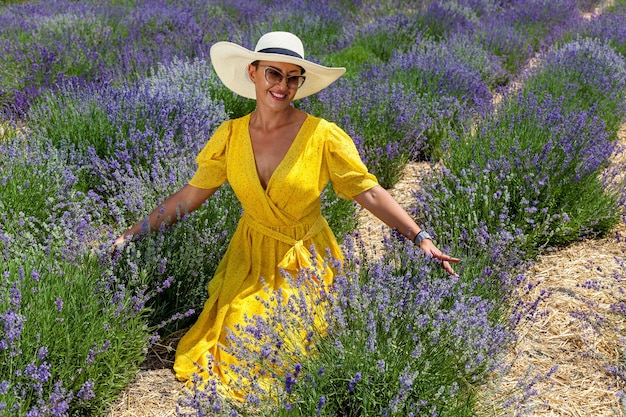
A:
[231,61]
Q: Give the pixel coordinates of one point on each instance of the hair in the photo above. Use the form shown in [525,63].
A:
[256,65]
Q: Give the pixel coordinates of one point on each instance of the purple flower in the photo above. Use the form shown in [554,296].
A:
[353,381]
[12,326]
[42,353]
[290,381]
[320,405]
[86,391]
[59,304]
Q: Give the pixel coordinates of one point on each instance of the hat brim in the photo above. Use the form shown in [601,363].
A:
[231,61]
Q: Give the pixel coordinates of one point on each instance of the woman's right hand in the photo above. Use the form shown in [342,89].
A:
[119,242]
[117,245]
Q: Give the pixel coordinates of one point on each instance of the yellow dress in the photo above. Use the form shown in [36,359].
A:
[279,225]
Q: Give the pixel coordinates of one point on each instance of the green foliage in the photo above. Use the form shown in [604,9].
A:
[69,118]
[11,73]
[235,105]
[354,59]
[7,132]
[315,31]
[77,327]
[402,32]
[340,213]
[510,44]
[443,17]
[32,180]
[7,2]
[63,43]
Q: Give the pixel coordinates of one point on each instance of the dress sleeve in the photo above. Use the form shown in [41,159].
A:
[348,173]
[211,171]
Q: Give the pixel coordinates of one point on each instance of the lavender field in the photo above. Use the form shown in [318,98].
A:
[516,106]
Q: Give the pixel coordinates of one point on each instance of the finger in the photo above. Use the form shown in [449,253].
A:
[449,258]
[448,268]
[444,257]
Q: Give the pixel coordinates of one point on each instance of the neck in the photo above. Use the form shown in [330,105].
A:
[268,118]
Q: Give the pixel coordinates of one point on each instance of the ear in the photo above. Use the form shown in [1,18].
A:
[252,72]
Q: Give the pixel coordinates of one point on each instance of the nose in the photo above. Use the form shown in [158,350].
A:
[283,83]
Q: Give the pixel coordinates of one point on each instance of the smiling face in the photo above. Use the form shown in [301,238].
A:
[276,83]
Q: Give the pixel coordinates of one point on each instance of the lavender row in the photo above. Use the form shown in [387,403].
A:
[46,44]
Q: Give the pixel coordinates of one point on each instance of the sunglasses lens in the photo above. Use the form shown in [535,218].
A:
[295,82]
[272,76]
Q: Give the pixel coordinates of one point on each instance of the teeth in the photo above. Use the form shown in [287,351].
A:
[277,95]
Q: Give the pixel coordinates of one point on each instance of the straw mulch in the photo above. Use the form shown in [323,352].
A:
[563,351]
[155,390]
[153,393]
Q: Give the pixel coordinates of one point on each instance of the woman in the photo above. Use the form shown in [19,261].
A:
[278,160]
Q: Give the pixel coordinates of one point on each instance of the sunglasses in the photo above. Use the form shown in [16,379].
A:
[274,76]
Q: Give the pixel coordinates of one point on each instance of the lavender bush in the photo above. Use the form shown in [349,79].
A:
[320,23]
[457,68]
[139,130]
[441,18]
[588,74]
[370,43]
[431,91]
[398,340]
[41,209]
[532,170]
[407,341]
[389,124]
[518,29]
[608,26]
[49,44]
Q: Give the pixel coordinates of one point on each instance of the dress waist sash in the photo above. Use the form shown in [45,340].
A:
[298,256]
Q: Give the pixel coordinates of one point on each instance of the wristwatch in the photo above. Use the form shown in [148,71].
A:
[421,236]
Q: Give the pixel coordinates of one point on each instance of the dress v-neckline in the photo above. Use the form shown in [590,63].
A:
[282,162]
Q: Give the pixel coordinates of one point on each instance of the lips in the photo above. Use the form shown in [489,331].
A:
[278,96]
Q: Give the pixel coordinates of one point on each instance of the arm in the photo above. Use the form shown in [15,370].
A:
[185,200]
[381,204]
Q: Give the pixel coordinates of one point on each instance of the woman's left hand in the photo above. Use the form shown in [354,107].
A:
[429,248]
